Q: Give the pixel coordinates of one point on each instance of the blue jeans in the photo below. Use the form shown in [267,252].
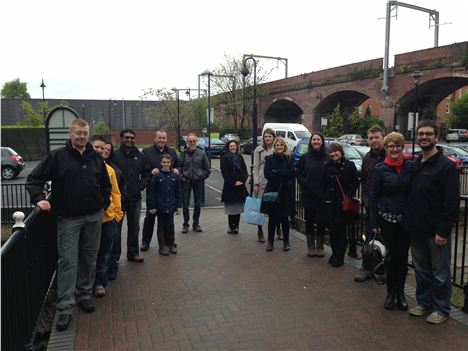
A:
[108,233]
[148,226]
[432,267]
[187,187]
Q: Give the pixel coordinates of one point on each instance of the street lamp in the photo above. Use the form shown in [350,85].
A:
[209,74]
[42,86]
[416,75]
[178,116]
[245,71]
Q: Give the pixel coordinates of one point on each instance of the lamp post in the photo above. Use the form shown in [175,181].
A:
[178,116]
[42,86]
[416,75]
[209,74]
[245,71]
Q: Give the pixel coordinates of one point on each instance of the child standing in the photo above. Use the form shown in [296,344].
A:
[164,199]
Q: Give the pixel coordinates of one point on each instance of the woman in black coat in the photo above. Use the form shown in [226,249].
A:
[332,211]
[310,173]
[234,171]
[279,171]
[390,187]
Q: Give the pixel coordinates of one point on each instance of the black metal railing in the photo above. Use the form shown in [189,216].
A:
[29,261]
[459,236]
[15,198]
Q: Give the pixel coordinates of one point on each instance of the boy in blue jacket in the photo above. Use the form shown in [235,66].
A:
[164,199]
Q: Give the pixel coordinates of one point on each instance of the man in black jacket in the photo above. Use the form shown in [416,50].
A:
[153,155]
[80,194]
[375,138]
[133,165]
[430,212]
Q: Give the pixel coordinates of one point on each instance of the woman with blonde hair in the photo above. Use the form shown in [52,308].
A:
[279,171]
[261,151]
[390,187]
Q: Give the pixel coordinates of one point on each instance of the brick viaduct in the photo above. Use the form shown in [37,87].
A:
[307,97]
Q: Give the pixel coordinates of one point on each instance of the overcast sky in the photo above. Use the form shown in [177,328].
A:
[114,49]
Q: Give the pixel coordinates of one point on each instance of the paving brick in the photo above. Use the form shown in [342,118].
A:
[227,293]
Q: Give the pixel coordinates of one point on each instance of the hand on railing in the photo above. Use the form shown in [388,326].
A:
[44,205]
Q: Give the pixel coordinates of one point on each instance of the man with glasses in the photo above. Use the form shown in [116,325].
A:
[194,169]
[153,155]
[80,193]
[133,165]
[430,212]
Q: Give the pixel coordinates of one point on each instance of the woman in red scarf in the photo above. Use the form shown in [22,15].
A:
[390,187]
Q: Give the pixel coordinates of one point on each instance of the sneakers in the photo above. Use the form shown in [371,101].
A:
[436,318]
[63,322]
[319,253]
[99,292]
[185,228]
[197,228]
[86,305]
[362,276]
[164,251]
[419,310]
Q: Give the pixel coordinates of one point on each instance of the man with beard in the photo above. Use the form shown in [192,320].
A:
[431,210]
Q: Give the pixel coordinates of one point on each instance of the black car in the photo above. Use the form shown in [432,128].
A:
[12,163]
[247,146]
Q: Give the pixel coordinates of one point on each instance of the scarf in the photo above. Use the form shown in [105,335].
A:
[396,164]
[235,160]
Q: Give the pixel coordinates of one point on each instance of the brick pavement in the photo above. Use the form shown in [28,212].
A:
[225,292]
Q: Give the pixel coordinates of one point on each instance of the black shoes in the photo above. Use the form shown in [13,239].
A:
[63,322]
[144,247]
[389,303]
[86,305]
[286,246]
[269,247]
[401,300]
[112,275]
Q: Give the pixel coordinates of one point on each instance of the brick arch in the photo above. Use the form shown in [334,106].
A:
[283,110]
[429,94]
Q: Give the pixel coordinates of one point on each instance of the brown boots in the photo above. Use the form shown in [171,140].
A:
[261,238]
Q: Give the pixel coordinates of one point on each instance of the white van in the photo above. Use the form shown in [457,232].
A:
[291,132]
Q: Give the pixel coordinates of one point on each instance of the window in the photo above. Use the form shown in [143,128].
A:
[291,136]
[447,109]
[280,133]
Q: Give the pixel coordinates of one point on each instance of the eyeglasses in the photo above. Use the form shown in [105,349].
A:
[191,141]
[395,147]
[129,137]
[429,134]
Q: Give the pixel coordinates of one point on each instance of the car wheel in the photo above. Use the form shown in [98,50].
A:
[8,173]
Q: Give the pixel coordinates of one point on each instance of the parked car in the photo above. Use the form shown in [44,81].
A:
[247,146]
[350,152]
[408,151]
[229,137]
[12,163]
[363,150]
[456,152]
[456,135]
[353,139]
[216,148]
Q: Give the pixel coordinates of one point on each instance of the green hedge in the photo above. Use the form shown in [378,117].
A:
[28,142]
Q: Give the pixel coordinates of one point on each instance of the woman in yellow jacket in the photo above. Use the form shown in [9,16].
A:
[112,216]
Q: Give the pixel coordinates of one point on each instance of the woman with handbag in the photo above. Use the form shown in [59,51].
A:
[234,171]
[261,151]
[276,200]
[390,187]
[310,173]
[341,180]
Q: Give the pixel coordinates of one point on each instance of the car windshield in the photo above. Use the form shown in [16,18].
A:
[459,151]
[350,153]
[302,134]
[303,148]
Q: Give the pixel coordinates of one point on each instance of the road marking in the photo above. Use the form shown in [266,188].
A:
[213,188]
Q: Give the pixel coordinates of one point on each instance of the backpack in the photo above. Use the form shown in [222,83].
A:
[374,257]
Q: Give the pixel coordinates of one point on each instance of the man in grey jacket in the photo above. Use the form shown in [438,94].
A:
[195,168]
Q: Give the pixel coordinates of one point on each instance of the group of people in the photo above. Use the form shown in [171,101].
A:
[94,186]
[406,203]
